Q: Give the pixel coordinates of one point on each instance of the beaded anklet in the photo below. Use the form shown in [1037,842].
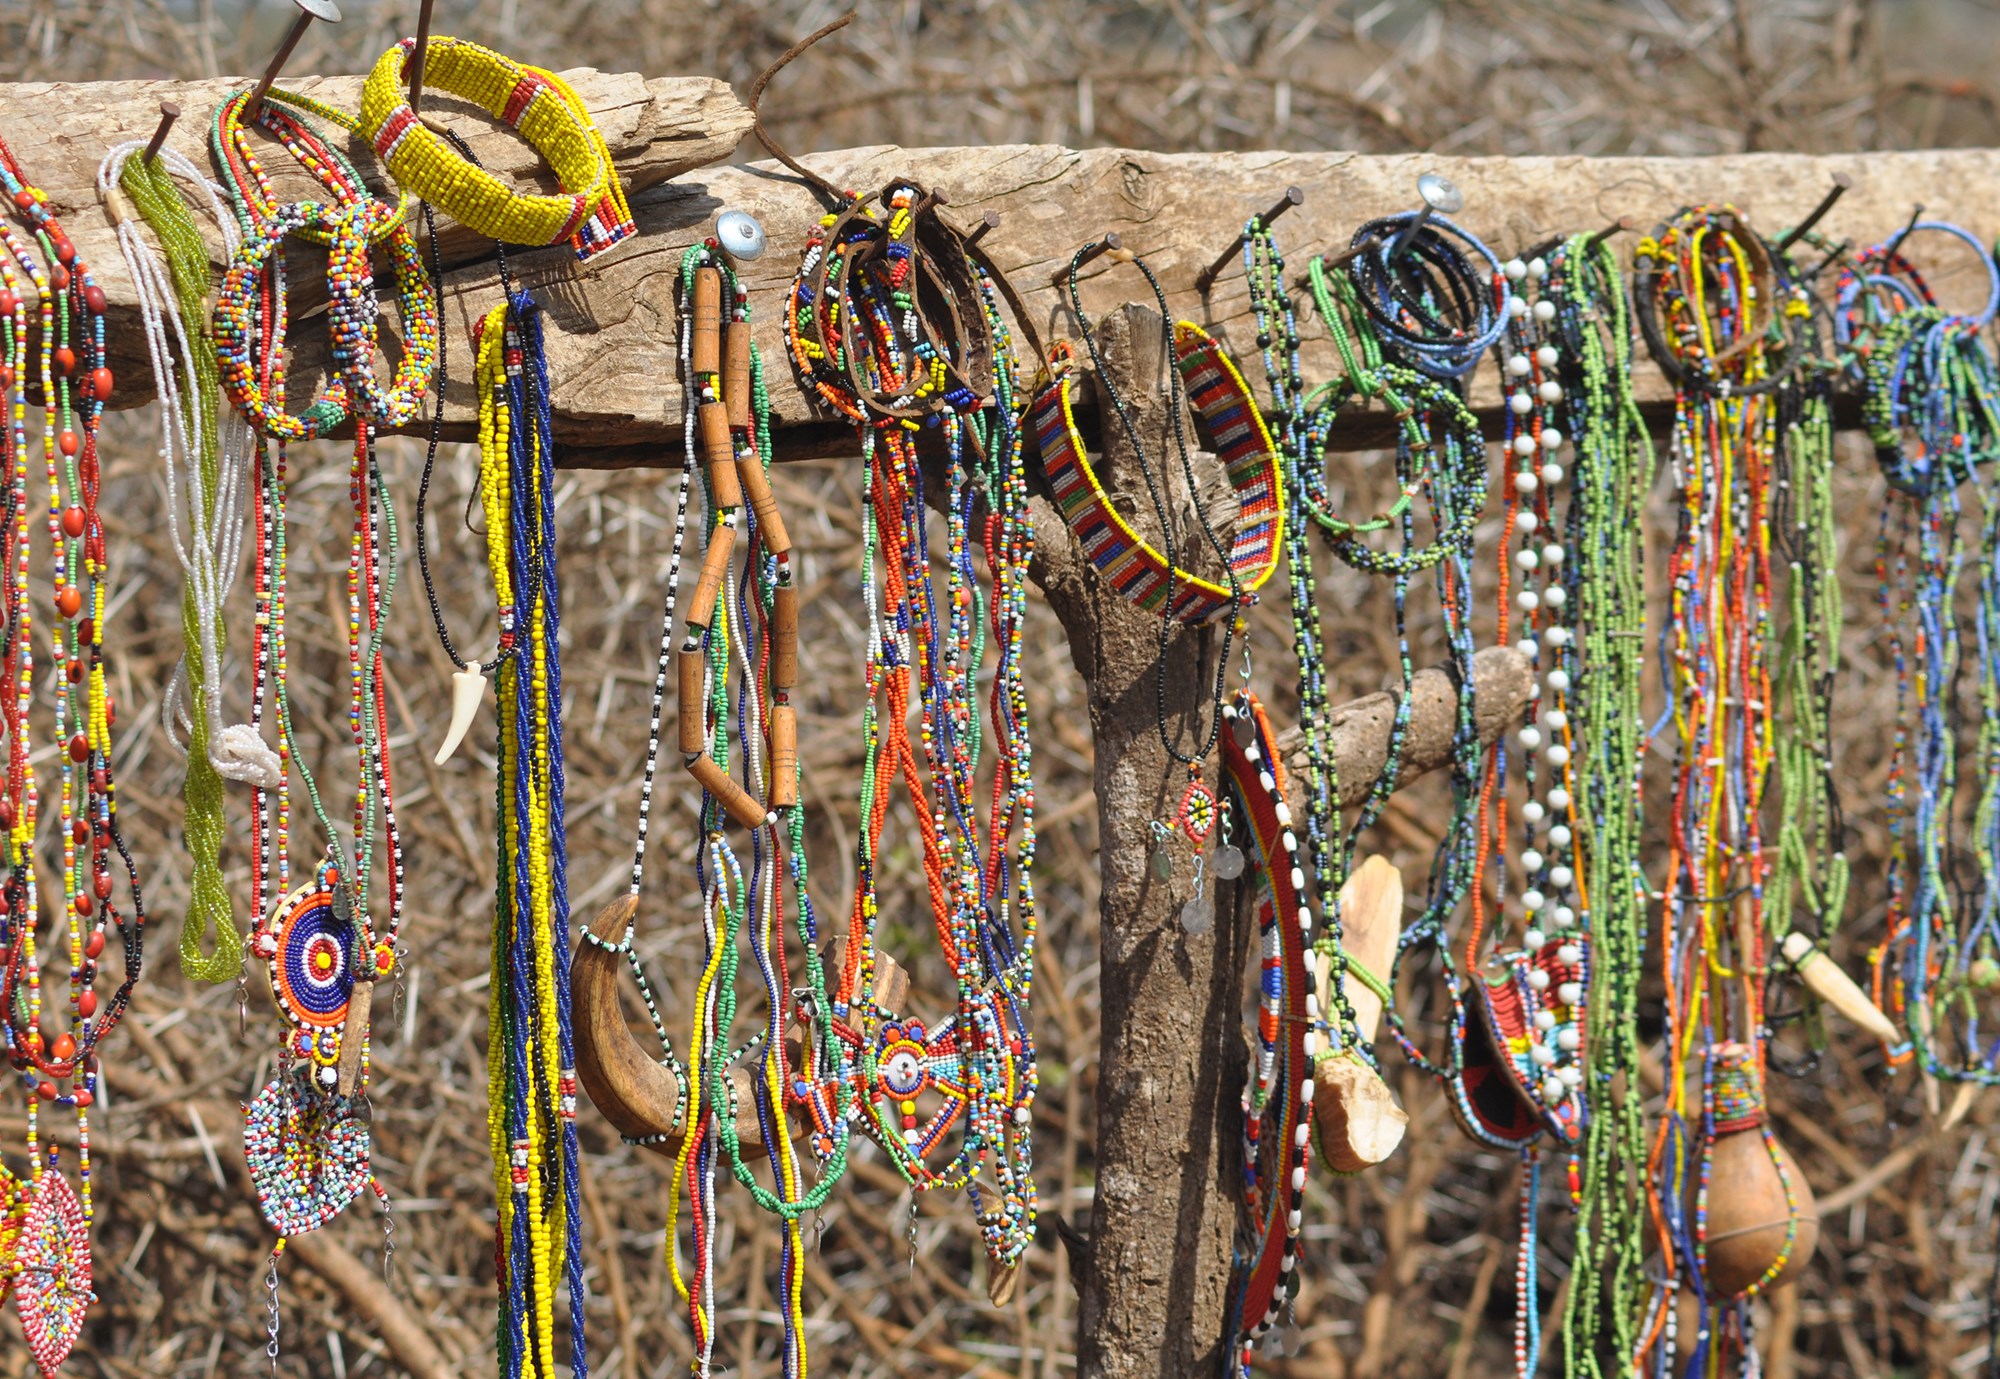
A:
[48,1267]
[592,215]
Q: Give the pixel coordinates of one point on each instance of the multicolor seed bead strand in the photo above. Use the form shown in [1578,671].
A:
[863,337]
[49,1269]
[1718,316]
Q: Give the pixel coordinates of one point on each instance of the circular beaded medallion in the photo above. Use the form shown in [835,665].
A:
[308,1153]
[312,969]
[51,1269]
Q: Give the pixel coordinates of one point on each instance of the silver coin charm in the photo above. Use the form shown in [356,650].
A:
[739,234]
[1244,729]
[1228,864]
[1198,915]
[1163,864]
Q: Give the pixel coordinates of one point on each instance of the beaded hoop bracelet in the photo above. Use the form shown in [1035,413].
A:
[1121,555]
[591,214]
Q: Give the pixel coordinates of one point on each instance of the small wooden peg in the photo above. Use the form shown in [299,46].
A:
[718,454]
[736,374]
[785,637]
[784,756]
[714,570]
[692,665]
[736,802]
[707,347]
[770,522]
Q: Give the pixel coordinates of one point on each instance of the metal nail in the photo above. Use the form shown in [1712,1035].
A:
[1439,194]
[1841,182]
[169,112]
[1206,278]
[418,54]
[309,10]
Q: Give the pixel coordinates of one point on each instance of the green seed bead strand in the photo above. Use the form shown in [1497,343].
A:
[151,189]
[1612,471]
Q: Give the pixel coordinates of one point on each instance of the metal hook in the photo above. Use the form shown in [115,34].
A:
[309,10]
[1439,194]
[1096,249]
[418,54]
[169,112]
[1916,214]
[989,221]
[1841,182]
[1206,278]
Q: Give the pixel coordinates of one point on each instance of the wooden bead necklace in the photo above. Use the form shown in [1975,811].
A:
[48,1268]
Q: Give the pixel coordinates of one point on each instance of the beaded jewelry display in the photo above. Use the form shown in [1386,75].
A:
[49,1268]
[1611,472]
[1278,1100]
[889,320]
[1932,404]
[1721,319]
[591,214]
[206,457]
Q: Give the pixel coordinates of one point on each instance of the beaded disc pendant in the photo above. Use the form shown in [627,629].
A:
[51,1268]
[308,1153]
[1197,816]
[311,952]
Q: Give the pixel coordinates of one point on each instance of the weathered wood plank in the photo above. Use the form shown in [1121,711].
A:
[656,128]
[613,351]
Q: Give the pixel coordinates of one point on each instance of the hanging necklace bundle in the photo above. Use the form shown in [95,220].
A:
[1932,404]
[48,1267]
[306,1134]
[1732,1212]
[1204,376]
[896,327]
[1597,656]
[206,457]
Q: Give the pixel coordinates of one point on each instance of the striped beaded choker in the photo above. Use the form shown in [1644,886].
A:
[48,1268]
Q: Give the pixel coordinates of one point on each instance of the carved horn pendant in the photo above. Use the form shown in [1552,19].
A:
[634,1091]
[1761,1212]
[1355,1114]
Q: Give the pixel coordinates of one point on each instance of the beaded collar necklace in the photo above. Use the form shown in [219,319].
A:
[1714,307]
[1207,378]
[48,1268]
[1932,404]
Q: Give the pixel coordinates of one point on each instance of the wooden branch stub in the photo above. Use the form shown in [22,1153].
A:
[1501,677]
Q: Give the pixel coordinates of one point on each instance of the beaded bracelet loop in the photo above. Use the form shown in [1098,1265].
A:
[350,277]
[1693,358]
[591,213]
[907,254]
[1121,555]
[251,189]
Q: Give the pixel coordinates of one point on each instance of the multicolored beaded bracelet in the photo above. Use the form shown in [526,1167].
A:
[1121,555]
[591,213]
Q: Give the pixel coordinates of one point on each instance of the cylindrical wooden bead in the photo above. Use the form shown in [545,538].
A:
[770,525]
[694,712]
[736,373]
[784,757]
[718,455]
[707,320]
[736,802]
[784,638]
[714,570]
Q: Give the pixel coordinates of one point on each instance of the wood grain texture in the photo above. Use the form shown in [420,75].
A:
[656,128]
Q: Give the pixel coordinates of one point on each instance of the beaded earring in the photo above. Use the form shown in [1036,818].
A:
[46,1222]
[1931,400]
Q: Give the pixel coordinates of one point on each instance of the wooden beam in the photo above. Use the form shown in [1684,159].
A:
[656,128]
[612,343]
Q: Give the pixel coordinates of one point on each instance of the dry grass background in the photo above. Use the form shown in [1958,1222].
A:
[1409,1270]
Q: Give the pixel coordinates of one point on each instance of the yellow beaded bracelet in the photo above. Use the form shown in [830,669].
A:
[591,214]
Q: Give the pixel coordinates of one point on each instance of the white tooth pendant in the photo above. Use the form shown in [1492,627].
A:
[468,687]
